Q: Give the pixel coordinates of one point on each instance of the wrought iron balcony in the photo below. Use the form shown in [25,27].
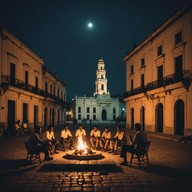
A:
[59,100]
[7,81]
[185,78]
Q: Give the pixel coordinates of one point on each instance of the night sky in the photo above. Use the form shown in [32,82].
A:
[57,31]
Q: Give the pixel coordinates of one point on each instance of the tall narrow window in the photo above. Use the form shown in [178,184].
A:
[46,87]
[114,110]
[142,80]
[142,62]
[160,75]
[26,79]
[131,84]
[179,67]
[159,50]
[36,82]
[12,74]
[131,69]
[87,109]
[94,109]
[79,109]
[102,87]
[178,37]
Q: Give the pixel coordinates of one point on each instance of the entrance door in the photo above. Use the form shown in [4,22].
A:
[35,115]
[179,117]
[159,117]
[142,113]
[11,115]
[25,112]
[104,115]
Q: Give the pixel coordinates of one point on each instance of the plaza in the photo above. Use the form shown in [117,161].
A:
[170,168]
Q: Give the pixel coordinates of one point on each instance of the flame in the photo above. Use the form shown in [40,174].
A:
[82,145]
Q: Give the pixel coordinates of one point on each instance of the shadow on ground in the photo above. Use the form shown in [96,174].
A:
[103,168]
[167,171]
[15,167]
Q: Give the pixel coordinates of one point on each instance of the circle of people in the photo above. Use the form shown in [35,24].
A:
[104,142]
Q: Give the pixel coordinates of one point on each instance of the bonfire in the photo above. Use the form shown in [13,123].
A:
[82,148]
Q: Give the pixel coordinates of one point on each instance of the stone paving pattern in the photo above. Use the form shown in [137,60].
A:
[170,169]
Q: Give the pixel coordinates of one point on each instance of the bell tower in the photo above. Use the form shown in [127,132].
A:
[101,79]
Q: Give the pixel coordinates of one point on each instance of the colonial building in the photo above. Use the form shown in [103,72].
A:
[23,91]
[158,78]
[101,106]
[54,103]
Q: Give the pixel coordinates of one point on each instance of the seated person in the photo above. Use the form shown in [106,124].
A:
[66,137]
[26,128]
[105,139]
[49,138]
[81,133]
[18,128]
[36,145]
[94,137]
[140,140]
[117,139]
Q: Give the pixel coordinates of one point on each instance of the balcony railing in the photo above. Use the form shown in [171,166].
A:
[8,81]
[184,77]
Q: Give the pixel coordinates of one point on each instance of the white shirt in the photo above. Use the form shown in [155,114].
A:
[65,134]
[95,133]
[80,133]
[119,135]
[48,136]
[106,135]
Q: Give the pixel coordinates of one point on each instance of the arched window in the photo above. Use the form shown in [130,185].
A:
[102,87]
[101,76]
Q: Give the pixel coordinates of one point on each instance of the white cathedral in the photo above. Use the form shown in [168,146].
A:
[101,106]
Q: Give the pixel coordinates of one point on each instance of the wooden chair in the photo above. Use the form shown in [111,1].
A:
[32,154]
[141,154]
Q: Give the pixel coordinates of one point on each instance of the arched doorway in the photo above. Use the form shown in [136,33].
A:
[104,115]
[132,118]
[159,117]
[179,117]
[142,115]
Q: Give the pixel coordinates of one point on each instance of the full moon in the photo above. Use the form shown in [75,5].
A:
[90,25]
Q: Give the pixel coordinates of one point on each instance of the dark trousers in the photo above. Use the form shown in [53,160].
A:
[50,143]
[67,140]
[125,149]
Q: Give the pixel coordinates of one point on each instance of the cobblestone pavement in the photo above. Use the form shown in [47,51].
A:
[170,169]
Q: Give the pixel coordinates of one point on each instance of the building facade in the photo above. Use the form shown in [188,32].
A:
[100,107]
[22,80]
[158,78]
